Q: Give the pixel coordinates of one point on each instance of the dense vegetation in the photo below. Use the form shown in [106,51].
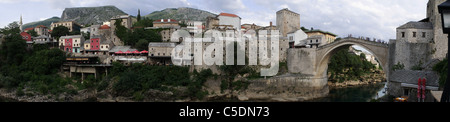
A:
[132,37]
[137,79]
[37,71]
[441,69]
[33,69]
[345,66]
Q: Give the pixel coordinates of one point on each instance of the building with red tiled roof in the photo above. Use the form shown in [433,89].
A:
[28,29]
[228,14]
[42,30]
[104,27]
[165,23]
[227,19]
[26,36]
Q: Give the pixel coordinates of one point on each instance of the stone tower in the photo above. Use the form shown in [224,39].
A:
[439,44]
[287,21]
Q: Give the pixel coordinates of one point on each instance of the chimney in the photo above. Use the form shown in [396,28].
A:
[162,20]
[270,23]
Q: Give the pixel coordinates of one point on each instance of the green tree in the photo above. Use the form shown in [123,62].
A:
[13,49]
[121,31]
[442,68]
[344,66]
[142,44]
[32,33]
[59,31]
[231,71]
[75,33]
[145,22]
[139,15]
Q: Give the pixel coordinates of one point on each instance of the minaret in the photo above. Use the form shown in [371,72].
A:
[20,23]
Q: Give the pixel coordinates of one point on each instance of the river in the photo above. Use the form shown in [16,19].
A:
[360,93]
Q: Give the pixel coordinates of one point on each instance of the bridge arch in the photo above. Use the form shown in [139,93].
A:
[324,53]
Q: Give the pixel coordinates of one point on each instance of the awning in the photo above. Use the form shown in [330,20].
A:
[144,51]
[136,52]
[127,52]
[119,52]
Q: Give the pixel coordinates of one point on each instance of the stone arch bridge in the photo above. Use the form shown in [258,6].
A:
[313,62]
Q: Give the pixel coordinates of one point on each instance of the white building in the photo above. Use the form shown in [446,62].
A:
[297,36]
[230,19]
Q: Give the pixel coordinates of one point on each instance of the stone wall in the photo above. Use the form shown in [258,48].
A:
[288,87]
[301,60]
[440,40]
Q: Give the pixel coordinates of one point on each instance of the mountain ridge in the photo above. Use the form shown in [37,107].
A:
[181,13]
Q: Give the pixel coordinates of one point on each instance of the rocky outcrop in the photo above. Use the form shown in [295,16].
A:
[91,15]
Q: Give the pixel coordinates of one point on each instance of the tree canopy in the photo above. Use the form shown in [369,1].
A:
[59,31]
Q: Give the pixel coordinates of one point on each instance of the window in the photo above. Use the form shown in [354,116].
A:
[310,41]
[414,34]
[92,46]
[403,34]
[86,45]
[317,40]
[101,47]
[424,34]
[106,46]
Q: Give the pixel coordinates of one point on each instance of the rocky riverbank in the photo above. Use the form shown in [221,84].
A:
[373,78]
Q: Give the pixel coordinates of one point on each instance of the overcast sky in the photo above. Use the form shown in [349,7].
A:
[370,18]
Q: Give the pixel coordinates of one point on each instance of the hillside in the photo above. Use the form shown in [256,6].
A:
[46,22]
[182,13]
[90,15]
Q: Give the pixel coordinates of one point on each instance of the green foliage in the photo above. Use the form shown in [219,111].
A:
[121,31]
[183,24]
[20,92]
[346,66]
[398,66]
[32,33]
[418,66]
[75,33]
[131,37]
[442,68]
[144,23]
[139,15]
[44,62]
[87,35]
[59,31]
[142,44]
[140,77]
[304,29]
[138,96]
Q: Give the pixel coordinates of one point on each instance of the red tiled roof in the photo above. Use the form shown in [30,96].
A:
[228,14]
[41,26]
[166,20]
[29,28]
[104,27]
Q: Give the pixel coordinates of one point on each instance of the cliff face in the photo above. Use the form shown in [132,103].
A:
[90,15]
[180,14]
